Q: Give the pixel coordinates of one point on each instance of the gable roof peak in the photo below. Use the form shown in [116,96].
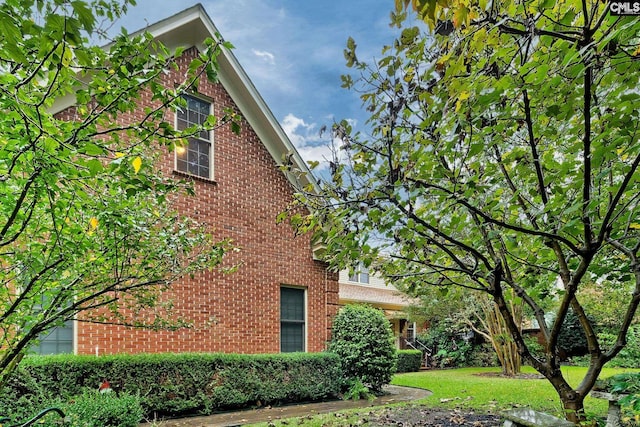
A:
[191,27]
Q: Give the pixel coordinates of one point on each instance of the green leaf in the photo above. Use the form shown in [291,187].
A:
[84,14]
[92,149]
[568,17]
[95,166]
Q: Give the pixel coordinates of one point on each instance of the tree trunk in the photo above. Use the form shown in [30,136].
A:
[574,410]
[573,405]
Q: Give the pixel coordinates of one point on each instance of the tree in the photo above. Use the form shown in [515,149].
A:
[86,225]
[470,311]
[503,157]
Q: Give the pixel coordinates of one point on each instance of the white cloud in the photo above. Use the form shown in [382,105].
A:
[307,139]
[266,56]
[312,144]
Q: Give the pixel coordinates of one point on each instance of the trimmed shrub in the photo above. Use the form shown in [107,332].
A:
[175,384]
[363,339]
[409,361]
[572,341]
[92,409]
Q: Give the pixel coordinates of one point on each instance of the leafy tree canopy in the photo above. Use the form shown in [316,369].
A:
[85,219]
[503,157]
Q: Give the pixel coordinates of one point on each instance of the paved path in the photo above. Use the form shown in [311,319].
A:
[393,394]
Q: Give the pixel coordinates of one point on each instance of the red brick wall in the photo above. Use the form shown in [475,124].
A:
[237,312]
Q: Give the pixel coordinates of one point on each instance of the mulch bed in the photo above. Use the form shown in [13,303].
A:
[409,416]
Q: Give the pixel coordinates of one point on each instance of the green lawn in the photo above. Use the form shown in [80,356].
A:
[469,388]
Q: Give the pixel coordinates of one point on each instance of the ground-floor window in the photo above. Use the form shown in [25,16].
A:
[411,331]
[292,319]
[58,340]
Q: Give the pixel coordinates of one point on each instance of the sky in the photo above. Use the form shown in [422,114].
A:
[292,50]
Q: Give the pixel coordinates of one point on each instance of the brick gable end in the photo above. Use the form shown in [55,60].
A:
[237,312]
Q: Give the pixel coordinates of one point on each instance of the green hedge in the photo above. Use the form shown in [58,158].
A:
[174,384]
[409,361]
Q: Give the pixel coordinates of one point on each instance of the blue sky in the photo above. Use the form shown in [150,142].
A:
[293,52]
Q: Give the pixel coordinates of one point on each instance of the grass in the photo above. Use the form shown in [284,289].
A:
[472,388]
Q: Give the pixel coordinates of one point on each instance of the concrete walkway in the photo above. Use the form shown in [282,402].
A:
[394,394]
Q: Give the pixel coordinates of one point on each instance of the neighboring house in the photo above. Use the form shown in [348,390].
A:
[281,298]
[362,287]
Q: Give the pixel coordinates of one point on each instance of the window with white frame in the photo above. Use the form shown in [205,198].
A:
[411,331]
[58,340]
[360,275]
[195,157]
[292,319]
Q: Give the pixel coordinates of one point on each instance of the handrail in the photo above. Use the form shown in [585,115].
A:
[37,417]
[426,351]
[417,342]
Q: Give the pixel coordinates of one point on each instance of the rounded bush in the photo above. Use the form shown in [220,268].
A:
[363,339]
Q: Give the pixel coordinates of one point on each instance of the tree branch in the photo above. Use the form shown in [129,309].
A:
[18,205]
[499,223]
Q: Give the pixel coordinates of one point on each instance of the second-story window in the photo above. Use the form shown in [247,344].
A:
[195,157]
[360,275]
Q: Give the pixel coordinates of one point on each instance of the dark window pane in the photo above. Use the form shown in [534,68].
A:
[292,337]
[194,158]
[361,275]
[292,304]
[64,334]
[292,319]
[48,348]
[193,168]
[58,340]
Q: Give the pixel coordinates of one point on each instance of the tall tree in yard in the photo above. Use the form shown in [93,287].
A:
[503,158]
[86,224]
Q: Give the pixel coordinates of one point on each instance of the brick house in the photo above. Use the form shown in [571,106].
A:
[281,298]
